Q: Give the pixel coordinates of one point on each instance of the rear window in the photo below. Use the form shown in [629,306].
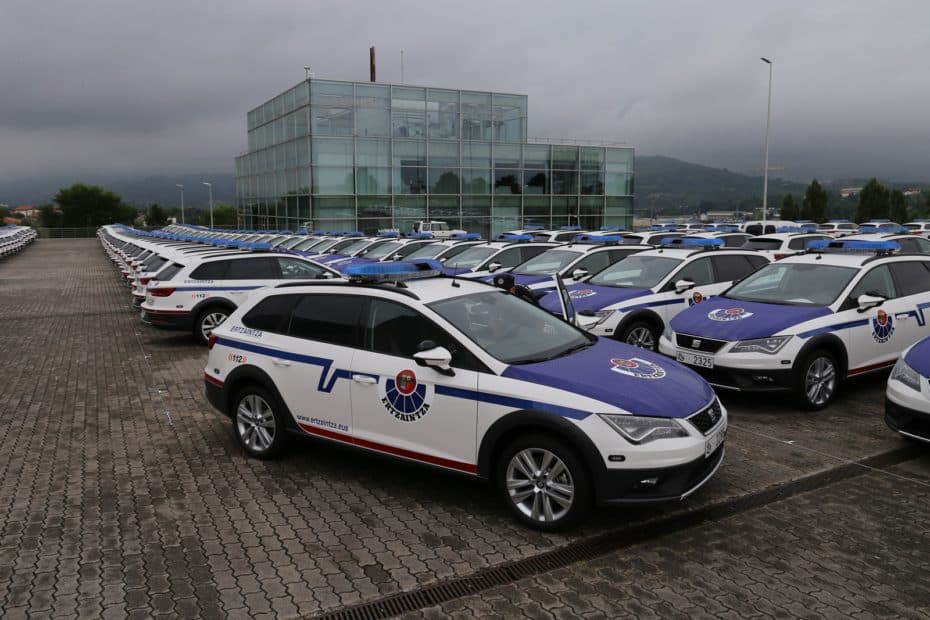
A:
[168,272]
[762,244]
[271,314]
[214,270]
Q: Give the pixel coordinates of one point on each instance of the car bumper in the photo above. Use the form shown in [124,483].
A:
[747,380]
[213,389]
[650,486]
[907,412]
[180,320]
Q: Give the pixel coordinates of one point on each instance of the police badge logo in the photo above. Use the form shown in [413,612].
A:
[882,327]
[636,367]
[728,314]
[581,293]
[405,398]
[696,298]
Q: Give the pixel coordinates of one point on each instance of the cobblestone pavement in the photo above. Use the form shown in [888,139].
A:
[123,493]
[857,548]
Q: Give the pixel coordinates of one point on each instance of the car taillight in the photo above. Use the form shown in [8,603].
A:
[160,292]
[144,281]
[780,256]
[211,341]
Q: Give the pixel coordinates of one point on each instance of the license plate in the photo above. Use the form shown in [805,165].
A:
[713,442]
[704,361]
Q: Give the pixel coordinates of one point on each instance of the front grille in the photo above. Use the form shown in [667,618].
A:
[706,419]
[699,343]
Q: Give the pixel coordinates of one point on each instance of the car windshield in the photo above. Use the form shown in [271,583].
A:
[510,329]
[548,263]
[307,244]
[355,246]
[381,250]
[471,257]
[636,272]
[794,284]
[762,244]
[291,242]
[428,251]
[343,245]
[324,245]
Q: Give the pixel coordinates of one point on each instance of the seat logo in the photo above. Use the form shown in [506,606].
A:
[636,367]
[882,326]
[581,293]
[728,314]
[405,398]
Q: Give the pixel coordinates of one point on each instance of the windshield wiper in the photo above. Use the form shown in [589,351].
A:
[546,358]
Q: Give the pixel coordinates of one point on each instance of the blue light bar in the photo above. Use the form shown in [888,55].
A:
[853,245]
[422,235]
[721,228]
[598,239]
[394,271]
[694,242]
[664,227]
[389,233]
[513,237]
[613,227]
[469,236]
[534,227]
[259,246]
[569,227]
[791,229]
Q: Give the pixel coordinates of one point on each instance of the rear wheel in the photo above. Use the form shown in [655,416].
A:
[208,320]
[258,420]
[543,482]
[818,379]
[641,334]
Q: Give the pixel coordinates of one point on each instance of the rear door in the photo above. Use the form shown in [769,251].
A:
[247,274]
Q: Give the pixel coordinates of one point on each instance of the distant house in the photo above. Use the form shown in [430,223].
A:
[27,211]
[849,192]
[11,220]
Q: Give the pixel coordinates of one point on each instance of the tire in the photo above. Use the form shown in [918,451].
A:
[818,368]
[641,334]
[207,320]
[258,422]
[531,495]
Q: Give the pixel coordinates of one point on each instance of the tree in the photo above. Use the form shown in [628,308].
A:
[155,216]
[49,216]
[90,205]
[4,211]
[898,208]
[789,208]
[223,215]
[873,201]
[814,206]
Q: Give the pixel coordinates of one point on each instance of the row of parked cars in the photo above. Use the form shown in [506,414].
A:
[403,345]
[15,238]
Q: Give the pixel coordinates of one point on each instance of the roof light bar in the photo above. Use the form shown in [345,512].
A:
[394,271]
[598,239]
[422,235]
[513,237]
[693,242]
[469,236]
[389,233]
[853,245]
[612,227]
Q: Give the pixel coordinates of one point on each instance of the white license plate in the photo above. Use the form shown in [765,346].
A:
[713,442]
[704,361]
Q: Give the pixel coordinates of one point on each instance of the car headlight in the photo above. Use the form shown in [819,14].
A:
[770,345]
[641,430]
[603,315]
[903,372]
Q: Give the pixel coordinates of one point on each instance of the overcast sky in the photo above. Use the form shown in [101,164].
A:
[117,87]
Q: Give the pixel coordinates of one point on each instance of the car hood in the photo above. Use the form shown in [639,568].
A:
[344,262]
[918,357]
[728,319]
[455,271]
[592,297]
[633,379]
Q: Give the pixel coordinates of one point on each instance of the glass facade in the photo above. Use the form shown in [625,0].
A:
[367,156]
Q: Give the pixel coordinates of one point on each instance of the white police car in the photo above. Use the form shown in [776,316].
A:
[907,397]
[464,376]
[838,228]
[909,242]
[392,250]
[789,240]
[729,235]
[199,295]
[651,237]
[505,252]
[918,227]
[807,322]
[633,300]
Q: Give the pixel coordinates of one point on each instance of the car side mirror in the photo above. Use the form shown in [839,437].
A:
[867,302]
[396,257]
[437,358]
[494,267]
[579,273]
[683,285]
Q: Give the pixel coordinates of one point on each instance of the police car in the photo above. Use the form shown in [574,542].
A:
[789,240]
[392,250]
[505,252]
[633,300]
[447,248]
[881,225]
[588,255]
[730,236]
[463,376]
[199,295]
[808,322]
[352,247]
[918,227]
[838,228]
[908,242]
[907,397]
[651,237]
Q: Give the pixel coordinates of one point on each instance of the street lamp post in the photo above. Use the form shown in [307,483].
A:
[210,187]
[182,200]
[765,169]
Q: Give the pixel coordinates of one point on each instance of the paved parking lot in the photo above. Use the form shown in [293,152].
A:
[123,493]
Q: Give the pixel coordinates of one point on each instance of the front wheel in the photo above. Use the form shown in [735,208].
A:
[818,380]
[641,334]
[543,482]
[208,320]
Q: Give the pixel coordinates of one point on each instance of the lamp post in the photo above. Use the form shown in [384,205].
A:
[765,169]
[182,200]
[210,187]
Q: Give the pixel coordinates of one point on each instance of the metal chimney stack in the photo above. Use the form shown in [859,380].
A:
[371,62]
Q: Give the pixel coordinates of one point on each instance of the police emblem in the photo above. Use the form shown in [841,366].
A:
[696,298]
[728,314]
[581,293]
[636,367]
[882,326]
[405,398]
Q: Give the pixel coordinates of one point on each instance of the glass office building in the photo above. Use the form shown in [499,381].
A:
[368,156]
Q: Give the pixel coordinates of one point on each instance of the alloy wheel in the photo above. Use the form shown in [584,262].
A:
[820,381]
[255,423]
[540,485]
[211,321]
[642,337]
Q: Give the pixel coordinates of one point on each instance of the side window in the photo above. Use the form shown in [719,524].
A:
[168,272]
[327,318]
[593,262]
[507,258]
[698,271]
[911,277]
[525,254]
[734,241]
[293,268]
[876,282]
[730,268]
[923,245]
[259,268]
[271,314]
[395,329]
[799,243]
[907,245]
[757,262]
[214,270]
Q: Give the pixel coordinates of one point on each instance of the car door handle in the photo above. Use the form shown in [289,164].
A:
[280,362]
[364,379]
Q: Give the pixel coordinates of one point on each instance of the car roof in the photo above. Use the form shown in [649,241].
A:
[687,252]
[425,290]
[850,259]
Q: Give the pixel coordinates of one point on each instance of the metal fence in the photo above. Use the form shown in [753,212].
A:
[66,233]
